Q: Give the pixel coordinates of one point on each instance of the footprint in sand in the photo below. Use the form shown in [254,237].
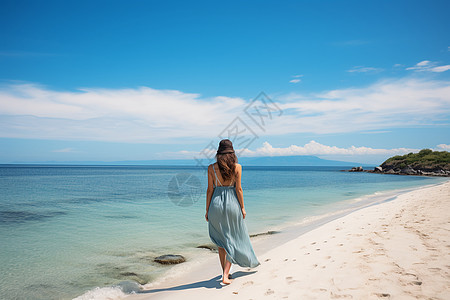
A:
[383,295]
[434,269]
[269,292]
[247,283]
[334,296]
[290,280]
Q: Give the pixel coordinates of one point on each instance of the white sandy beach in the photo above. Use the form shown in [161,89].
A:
[398,249]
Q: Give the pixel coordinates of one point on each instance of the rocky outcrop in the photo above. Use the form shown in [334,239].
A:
[410,170]
[356,169]
[424,163]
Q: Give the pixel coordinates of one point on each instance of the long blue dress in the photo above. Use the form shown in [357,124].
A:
[227,227]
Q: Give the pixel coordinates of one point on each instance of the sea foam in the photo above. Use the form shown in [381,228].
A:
[111,293]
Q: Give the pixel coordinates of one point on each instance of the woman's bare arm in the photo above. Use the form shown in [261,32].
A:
[239,192]
[209,191]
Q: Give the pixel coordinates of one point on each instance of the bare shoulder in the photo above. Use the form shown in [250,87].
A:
[238,167]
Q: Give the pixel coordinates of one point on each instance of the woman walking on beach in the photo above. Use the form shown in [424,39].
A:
[225,211]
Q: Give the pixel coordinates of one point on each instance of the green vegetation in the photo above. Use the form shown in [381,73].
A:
[426,159]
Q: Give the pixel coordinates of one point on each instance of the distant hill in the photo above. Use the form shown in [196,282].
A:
[294,160]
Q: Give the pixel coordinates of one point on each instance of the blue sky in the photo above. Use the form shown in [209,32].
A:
[136,80]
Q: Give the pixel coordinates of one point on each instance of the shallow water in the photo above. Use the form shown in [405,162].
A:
[65,230]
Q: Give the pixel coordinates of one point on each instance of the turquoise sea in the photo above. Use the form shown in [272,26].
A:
[65,230]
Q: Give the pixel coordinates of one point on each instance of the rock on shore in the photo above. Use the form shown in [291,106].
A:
[170,259]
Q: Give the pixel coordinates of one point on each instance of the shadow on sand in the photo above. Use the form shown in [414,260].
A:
[213,283]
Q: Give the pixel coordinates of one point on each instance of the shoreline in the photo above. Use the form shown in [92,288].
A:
[201,275]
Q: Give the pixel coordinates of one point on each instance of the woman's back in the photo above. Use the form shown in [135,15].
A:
[228,182]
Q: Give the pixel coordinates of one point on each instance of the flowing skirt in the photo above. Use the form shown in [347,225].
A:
[227,227]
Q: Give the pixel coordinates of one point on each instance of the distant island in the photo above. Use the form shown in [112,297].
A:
[426,162]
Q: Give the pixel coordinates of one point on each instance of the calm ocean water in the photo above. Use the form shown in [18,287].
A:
[65,230]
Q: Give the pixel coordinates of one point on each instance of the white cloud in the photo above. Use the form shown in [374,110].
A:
[389,103]
[429,66]
[361,69]
[153,116]
[441,68]
[315,148]
[442,147]
[133,115]
[296,79]
[423,63]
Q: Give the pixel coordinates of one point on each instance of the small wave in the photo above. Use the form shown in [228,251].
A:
[17,216]
[115,217]
[113,292]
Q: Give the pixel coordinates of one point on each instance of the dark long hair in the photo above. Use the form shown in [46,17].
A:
[226,159]
[227,164]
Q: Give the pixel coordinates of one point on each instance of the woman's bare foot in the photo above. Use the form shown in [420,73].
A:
[226,273]
[226,281]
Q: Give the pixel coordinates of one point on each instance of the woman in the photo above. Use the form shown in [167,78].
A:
[225,212]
